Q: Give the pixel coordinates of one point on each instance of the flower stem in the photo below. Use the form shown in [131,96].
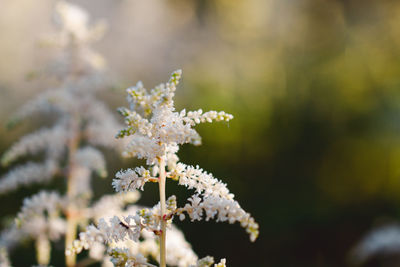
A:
[71,214]
[161,184]
[43,249]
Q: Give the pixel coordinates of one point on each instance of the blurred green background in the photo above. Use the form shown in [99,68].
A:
[314,85]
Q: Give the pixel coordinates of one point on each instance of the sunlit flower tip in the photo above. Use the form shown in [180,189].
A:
[171,203]
[221,263]
[123,257]
[204,262]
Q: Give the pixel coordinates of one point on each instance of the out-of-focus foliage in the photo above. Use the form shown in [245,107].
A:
[314,150]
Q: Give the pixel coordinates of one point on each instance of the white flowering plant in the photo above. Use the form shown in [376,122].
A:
[68,150]
[117,231]
[155,131]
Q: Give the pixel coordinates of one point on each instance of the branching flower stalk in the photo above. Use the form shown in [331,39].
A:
[72,210]
[126,235]
[81,118]
[161,183]
[155,130]
[69,152]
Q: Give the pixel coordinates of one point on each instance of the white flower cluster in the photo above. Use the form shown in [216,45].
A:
[155,131]
[208,261]
[80,119]
[113,231]
[27,174]
[50,204]
[76,34]
[130,180]
[196,117]
[101,125]
[92,159]
[40,215]
[382,240]
[154,126]
[80,115]
[40,220]
[123,257]
[109,205]
[179,251]
[36,142]
[142,228]
[201,181]
[158,137]
[223,209]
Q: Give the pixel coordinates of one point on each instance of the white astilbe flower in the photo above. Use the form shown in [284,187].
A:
[101,133]
[123,257]
[114,230]
[39,215]
[208,261]
[382,240]
[112,204]
[179,251]
[204,262]
[101,125]
[73,20]
[143,147]
[130,180]
[115,234]
[151,137]
[170,128]
[111,231]
[217,200]
[76,33]
[27,174]
[196,117]
[119,230]
[92,159]
[67,148]
[155,130]
[53,100]
[204,183]
[222,209]
[53,140]
[97,251]
[171,158]
[135,123]
[222,263]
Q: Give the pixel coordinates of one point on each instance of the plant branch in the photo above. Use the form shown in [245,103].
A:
[161,183]
[71,213]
